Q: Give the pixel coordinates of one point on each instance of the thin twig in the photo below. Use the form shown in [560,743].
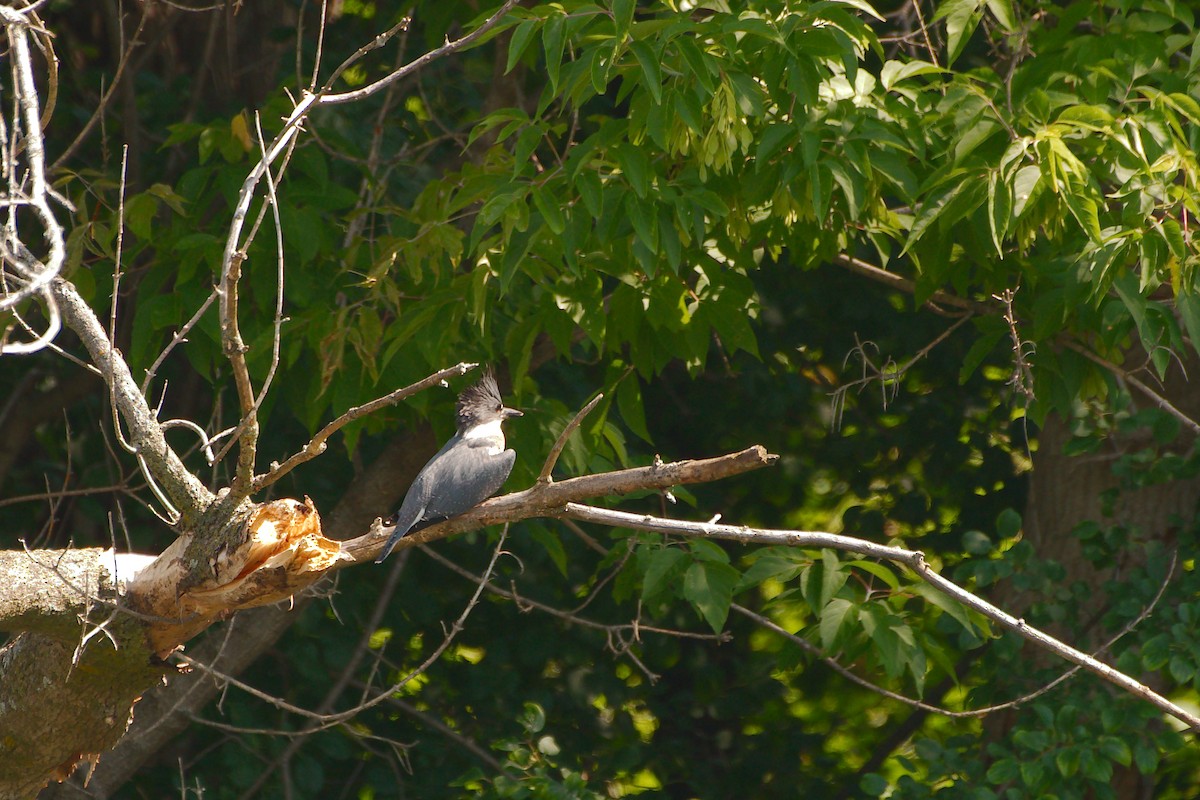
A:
[1135,382]
[526,604]
[895,281]
[889,375]
[925,32]
[556,451]
[382,602]
[318,443]
[102,106]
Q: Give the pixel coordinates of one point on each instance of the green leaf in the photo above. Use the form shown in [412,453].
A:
[658,121]
[662,566]
[833,618]
[549,209]
[821,581]
[522,36]
[622,11]
[894,72]
[1146,757]
[169,196]
[629,403]
[951,607]
[588,186]
[1002,10]
[527,142]
[553,41]
[499,203]
[1126,287]
[771,566]
[1003,770]
[1008,523]
[1095,768]
[636,167]
[1188,305]
[1088,116]
[1181,668]
[1024,185]
[1173,234]
[139,214]
[864,7]
[598,67]
[962,17]
[704,550]
[650,68]
[1085,211]
[873,785]
[883,628]
[933,207]
[533,718]
[999,210]
[771,140]
[1117,750]
[644,221]
[689,110]
[553,547]
[852,185]
[878,570]
[709,585]
[698,62]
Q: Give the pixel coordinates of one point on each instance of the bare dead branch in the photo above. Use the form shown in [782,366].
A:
[550,499]
[30,277]
[235,350]
[1135,382]
[330,720]
[903,284]
[184,490]
[527,604]
[913,559]
[318,443]
[1022,375]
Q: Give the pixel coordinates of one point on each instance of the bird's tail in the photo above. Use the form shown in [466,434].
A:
[403,520]
[396,536]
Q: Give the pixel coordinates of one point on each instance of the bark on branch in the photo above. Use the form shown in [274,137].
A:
[162,464]
[549,499]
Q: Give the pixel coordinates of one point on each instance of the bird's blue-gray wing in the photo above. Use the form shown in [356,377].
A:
[413,509]
[448,485]
[467,483]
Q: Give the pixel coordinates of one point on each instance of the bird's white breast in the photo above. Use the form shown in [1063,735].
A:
[489,430]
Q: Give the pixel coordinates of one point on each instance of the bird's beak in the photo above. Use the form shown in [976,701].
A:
[511,412]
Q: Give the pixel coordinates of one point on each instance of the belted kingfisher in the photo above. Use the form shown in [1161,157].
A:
[470,468]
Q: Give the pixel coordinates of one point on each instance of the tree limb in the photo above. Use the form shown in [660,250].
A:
[163,464]
[913,559]
[549,499]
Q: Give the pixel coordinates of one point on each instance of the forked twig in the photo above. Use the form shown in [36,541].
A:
[317,444]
